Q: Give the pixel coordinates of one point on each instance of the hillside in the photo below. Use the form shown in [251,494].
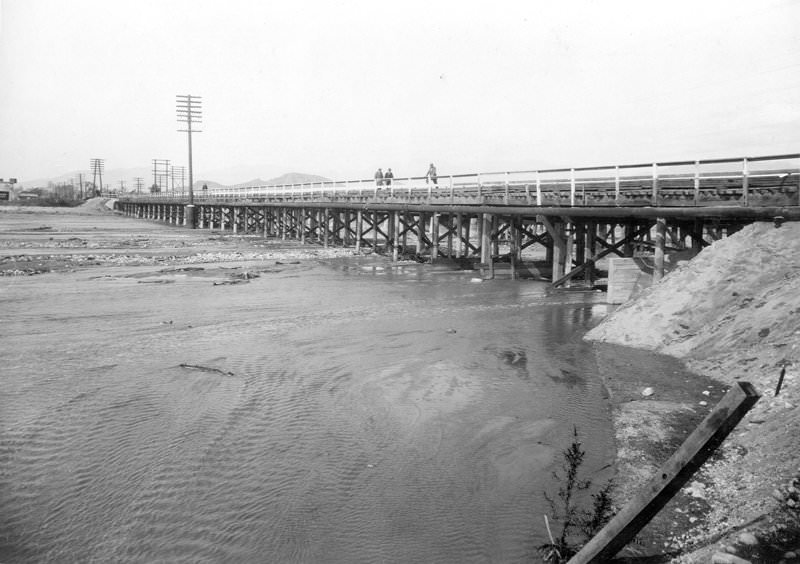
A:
[296,178]
[732,314]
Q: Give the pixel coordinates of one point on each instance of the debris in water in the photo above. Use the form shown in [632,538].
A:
[206,369]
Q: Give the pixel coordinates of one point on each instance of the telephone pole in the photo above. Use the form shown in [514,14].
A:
[189,110]
[139,182]
[97,166]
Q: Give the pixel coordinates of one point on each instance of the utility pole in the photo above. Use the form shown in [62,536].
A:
[189,110]
[161,170]
[179,173]
[139,183]
[97,166]
[122,186]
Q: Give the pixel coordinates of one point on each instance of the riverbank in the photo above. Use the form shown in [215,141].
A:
[63,244]
[732,314]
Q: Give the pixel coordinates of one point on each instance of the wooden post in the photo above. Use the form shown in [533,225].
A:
[514,239]
[359,229]
[572,187]
[580,243]
[325,225]
[375,223]
[591,244]
[467,235]
[616,185]
[628,248]
[449,235]
[696,182]
[569,250]
[494,235]
[460,240]
[538,189]
[660,242]
[395,235]
[486,238]
[420,232]
[672,476]
[404,221]
[654,196]
[434,236]
[697,236]
[303,226]
[559,251]
[745,184]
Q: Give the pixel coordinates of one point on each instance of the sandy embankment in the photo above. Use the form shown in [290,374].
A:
[732,313]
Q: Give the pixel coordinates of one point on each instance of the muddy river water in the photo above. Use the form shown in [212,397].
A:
[344,410]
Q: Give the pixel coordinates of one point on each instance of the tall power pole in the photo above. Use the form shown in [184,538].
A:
[139,182]
[189,109]
[97,166]
[161,171]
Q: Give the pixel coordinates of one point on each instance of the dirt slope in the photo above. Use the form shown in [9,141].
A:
[733,313]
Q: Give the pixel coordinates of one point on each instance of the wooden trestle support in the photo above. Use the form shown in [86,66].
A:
[560,247]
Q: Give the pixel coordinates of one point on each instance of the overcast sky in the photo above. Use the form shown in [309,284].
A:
[339,88]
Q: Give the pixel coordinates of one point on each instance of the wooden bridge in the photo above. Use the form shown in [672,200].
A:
[555,223]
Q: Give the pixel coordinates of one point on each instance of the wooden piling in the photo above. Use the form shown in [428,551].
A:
[359,229]
[420,232]
[434,236]
[658,254]
[395,234]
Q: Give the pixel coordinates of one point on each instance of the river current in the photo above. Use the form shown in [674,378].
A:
[348,411]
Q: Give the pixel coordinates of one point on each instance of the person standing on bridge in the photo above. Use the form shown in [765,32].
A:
[387,178]
[379,177]
[431,174]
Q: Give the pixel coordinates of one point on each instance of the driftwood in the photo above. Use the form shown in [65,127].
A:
[206,369]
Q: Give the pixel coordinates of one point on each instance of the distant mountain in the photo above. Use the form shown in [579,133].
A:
[288,178]
[297,178]
[112,178]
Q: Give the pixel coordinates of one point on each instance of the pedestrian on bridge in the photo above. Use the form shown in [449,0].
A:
[387,178]
[431,174]
[379,177]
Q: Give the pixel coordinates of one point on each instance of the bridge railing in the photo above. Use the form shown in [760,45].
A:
[660,183]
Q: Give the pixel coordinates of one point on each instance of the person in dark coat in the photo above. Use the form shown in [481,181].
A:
[379,177]
[431,174]
[387,178]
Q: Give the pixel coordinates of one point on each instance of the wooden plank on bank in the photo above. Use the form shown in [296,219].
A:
[672,476]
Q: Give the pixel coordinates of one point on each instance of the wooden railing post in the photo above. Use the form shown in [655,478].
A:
[451,190]
[654,197]
[745,184]
[696,182]
[538,189]
[572,187]
[616,185]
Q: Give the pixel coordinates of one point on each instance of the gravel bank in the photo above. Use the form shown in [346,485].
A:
[732,314]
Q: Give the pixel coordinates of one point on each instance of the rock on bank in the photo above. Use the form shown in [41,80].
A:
[733,313]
